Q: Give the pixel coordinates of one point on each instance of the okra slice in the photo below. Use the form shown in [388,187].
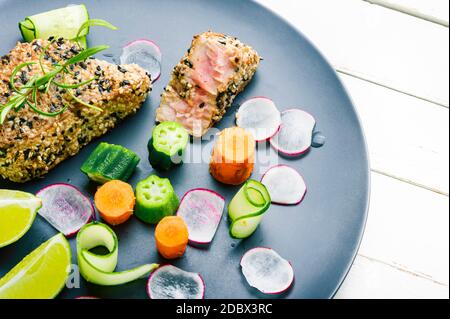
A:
[246,210]
[167,145]
[155,199]
[110,162]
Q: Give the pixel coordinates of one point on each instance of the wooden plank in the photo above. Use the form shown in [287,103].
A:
[408,138]
[405,250]
[381,45]
[435,11]
[408,227]
[370,279]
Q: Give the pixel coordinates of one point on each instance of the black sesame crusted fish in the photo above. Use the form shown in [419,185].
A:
[32,144]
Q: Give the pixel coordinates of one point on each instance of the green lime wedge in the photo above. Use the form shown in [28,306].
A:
[17,213]
[40,275]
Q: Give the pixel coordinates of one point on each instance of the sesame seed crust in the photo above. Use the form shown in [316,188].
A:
[32,144]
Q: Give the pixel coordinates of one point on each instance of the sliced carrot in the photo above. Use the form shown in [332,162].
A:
[233,156]
[115,201]
[171,235]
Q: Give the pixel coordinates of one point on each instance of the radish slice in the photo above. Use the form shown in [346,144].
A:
[170,282]
[260,117]
[285,185]
[65,208]
[202,211]
[267,271]
[144,53]
[295,134]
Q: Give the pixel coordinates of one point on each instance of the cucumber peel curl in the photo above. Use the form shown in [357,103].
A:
[99,269]
[247,209]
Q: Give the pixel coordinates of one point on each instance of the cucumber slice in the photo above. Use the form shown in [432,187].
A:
[27,29]
[63,22]
[110,162]
[246,210]
[99,269]
[155,199]
[167,145]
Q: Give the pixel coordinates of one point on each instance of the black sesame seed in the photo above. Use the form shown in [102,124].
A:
[121,69]
[124,83]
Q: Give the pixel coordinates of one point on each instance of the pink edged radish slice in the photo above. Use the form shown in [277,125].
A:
[285,185]
[144,53]
[260,117]
[202,211]
[295,134]
[267,271]
[65,208]
[170,282]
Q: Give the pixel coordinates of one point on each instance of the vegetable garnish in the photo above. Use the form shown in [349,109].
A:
[295,135]
[91,23]
[167,145]
[171,235]
[233,156]
[155,199]
[267,271]
[115,202]
[62,22]
[247,209]
[65,208]
[99,269]
[144,53]
[285,185]
[170,282]
[28,94]
[202,211]
[260,117]
[108,162]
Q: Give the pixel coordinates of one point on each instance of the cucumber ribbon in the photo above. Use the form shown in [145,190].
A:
[247,209]
[99,269]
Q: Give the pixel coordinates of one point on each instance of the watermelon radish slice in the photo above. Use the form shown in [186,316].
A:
[202,211]
[144,53]
[267,271]
[260,117]
[170,282]
[65,208]
[285,185]
[295,134]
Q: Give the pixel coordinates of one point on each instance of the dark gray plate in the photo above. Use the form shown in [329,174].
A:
[320,237]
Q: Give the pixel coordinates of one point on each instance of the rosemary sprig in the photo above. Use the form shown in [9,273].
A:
[27,94]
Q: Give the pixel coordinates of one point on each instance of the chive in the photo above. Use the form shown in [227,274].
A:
[92,23]
[83,55]
[82,102]
[74,86]
[34,108]
[14,73]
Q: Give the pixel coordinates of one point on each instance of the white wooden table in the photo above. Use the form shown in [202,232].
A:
[393,57]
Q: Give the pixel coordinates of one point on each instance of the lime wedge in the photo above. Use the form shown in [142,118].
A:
[17,213]
[40,275]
